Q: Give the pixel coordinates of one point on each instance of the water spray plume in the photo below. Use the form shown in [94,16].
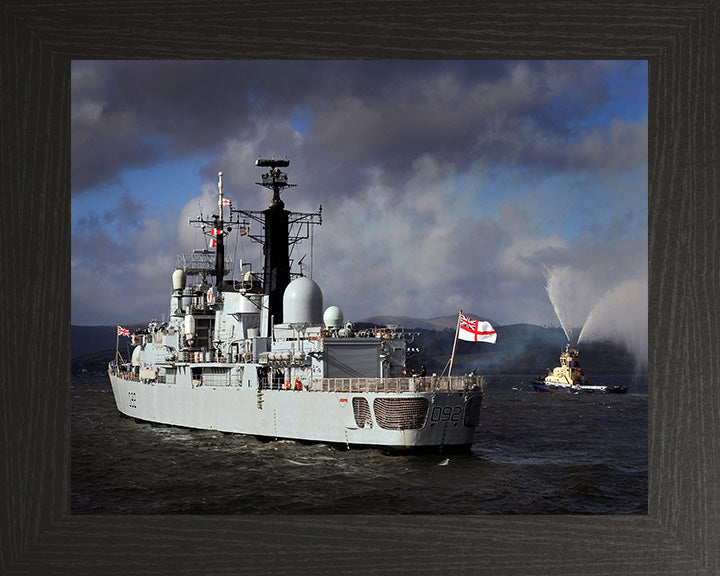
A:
[590,310]
[621,317]
[572,293]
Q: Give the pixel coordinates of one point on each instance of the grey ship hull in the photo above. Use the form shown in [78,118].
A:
[392,419]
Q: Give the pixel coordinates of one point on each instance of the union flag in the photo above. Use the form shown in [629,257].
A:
[123,331]
[476,330]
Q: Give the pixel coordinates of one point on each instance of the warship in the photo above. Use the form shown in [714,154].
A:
[569,377]
[260,356]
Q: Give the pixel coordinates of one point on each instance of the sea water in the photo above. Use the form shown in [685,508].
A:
[533,454]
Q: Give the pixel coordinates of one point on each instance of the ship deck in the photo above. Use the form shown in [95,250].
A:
[358,385]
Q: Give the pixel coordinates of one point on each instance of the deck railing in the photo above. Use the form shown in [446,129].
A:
[354,385]
[417,384]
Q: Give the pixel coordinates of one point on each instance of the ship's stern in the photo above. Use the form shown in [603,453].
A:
[441,421]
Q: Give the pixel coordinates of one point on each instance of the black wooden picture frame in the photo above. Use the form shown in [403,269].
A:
[681,532]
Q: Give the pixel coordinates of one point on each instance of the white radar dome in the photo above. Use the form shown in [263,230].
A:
[333,317]
[302,302]
[178,280]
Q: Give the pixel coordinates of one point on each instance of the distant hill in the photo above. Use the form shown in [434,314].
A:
[86,340]
[438,323]
[90,339]
[94,364]
[520,348]
[404,321]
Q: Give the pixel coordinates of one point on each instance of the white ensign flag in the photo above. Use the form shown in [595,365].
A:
[476,330]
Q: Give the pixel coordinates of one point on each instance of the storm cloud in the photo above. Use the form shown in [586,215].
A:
[444,184]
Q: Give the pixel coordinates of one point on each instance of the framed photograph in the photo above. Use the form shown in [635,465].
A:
[103,64]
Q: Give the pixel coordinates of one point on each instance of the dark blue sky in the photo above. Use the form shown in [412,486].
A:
[444,184]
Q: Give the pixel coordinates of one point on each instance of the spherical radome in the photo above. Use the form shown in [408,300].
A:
[333,317]
[302,302]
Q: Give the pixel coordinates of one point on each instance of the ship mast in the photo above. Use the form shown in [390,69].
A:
[282,230]
[219,240]
[276,271]
[200,262]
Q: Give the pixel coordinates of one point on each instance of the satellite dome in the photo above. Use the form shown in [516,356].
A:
[178,280]
[302,302]
[333,317]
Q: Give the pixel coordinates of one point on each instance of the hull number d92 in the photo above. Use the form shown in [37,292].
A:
[446,413]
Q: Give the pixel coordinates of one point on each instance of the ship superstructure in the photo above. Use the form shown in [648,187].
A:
[261,356]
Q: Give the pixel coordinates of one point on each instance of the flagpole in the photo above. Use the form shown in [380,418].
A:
[117,345]
[452,357]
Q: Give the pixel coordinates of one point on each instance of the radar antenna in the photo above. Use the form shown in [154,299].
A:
[275,180]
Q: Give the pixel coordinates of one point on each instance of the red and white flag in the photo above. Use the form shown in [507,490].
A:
[217,232]
[226,201]
[476,330]
[123,331]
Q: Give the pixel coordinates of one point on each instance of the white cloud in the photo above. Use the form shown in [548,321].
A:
[450,197]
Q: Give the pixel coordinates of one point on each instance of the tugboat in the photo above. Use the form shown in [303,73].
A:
[569,377]
[259,356]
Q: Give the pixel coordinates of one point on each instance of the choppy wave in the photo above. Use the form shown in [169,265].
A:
[533,454]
